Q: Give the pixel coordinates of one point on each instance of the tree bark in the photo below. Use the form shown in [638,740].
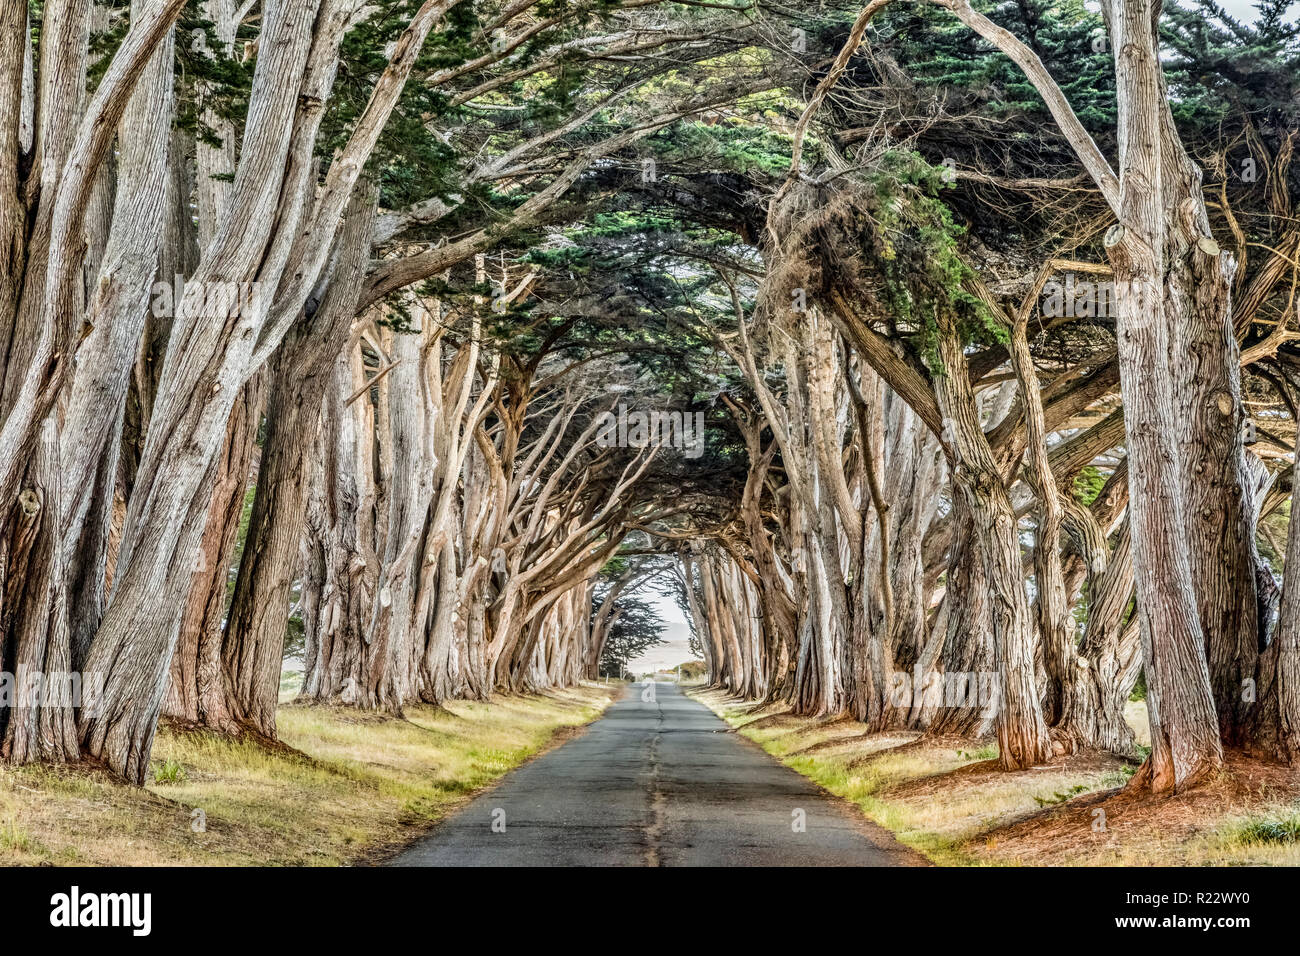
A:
[299,374]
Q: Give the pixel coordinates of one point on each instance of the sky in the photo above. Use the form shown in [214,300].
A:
[674,651]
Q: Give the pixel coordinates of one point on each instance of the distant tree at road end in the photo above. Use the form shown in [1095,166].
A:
[635,629]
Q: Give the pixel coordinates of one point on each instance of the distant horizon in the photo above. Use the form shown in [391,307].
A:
[676,648]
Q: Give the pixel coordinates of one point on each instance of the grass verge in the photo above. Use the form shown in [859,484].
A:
[361,787]
[948,799]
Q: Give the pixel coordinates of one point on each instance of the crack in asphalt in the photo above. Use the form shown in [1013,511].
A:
[654,831]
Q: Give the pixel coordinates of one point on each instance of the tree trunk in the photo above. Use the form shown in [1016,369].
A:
[1022,732]
[299,374]
[197,693]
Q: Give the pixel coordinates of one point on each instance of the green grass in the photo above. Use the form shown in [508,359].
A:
[931,795]
[14,838]
[1263,832]
[941,816]
[1061,796]
[355,787]
[169,771]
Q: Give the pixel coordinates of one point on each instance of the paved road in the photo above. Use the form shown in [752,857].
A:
[656,783]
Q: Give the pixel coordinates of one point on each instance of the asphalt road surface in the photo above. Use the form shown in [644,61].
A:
[657,783]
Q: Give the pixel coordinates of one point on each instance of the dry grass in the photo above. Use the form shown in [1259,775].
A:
[362,787]
[947,798]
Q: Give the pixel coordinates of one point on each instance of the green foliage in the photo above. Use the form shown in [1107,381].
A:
[913,241]
[614,567]
[241,536]
[693,670]
[201,64]
[739,146]
[1088,484]
[1139,691]
[946,55]
[1079,612]
[1271,538]
[1060,797]
[1225,71]
[168,772]
[411,162]
[1270,831]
